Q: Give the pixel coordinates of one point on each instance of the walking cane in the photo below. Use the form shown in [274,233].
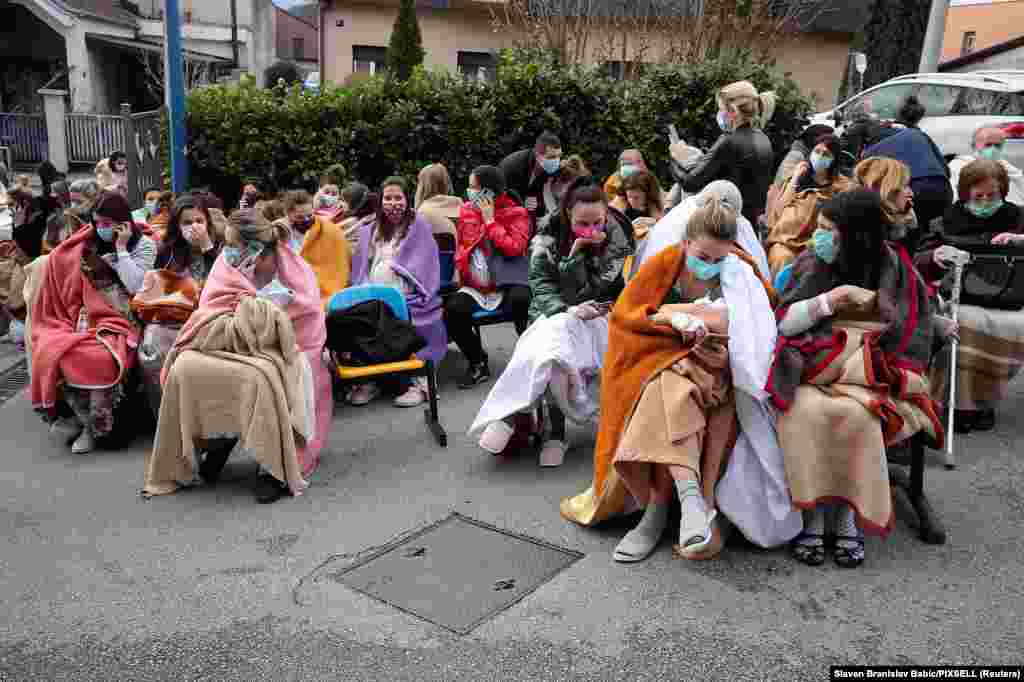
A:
[948,460]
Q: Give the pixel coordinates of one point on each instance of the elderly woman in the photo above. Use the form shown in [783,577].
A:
[850,375]
[84,334]
[397,248]
[170,292]
[246,371]
[795,212]
[691,331]
[672,229]
[575,275]
[743,154]
[990,351]
[492,261]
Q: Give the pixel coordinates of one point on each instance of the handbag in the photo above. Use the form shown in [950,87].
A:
[995,276]
[166,297]
[371,334]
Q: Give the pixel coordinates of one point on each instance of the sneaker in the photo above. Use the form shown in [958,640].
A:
[478,373]
[269,490]
[495,437]
[415,396]
[363,394]
[65,430]
[84,444]
[984,420]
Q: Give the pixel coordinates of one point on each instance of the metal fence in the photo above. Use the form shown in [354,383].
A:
[91,137]
[25,136]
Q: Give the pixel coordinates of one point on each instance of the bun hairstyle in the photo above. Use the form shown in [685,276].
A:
[749,106]
[713,219]
[251,225]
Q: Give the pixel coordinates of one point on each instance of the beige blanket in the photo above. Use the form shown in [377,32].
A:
[240,375]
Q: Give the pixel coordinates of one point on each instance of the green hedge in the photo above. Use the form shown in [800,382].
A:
[380,127]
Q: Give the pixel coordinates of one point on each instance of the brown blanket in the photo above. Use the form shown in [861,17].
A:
[241,373]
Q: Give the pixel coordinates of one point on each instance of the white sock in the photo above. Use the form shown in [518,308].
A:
[642,540]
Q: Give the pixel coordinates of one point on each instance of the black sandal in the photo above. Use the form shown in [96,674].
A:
[849,557]
[809,554]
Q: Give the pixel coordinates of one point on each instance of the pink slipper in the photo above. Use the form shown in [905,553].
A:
[553,453]
[495,437]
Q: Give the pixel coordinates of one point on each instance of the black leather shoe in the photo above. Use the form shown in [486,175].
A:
[269,490]
[213,463]
[963,420]
[478,373]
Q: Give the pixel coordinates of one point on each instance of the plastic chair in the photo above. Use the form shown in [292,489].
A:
[396,302]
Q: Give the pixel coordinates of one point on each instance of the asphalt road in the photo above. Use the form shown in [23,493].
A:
[99,584]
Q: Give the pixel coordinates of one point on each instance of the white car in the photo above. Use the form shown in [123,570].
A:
[955,104]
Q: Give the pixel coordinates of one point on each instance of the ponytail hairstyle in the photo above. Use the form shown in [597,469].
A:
[713,219]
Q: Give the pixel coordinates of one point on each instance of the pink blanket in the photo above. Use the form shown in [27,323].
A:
[96,358]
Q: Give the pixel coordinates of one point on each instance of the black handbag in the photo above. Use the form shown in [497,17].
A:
[372,335]
[995,276]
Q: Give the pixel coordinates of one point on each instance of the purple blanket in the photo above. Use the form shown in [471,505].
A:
[418,263]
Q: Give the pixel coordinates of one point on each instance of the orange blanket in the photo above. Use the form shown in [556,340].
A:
[638,350]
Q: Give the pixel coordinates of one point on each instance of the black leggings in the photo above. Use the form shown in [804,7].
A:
[458,318]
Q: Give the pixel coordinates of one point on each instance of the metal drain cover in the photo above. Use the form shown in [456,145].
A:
[458,572]
[13,380]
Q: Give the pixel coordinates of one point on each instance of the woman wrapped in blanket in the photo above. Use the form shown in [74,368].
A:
[575,273]
[849,375]
[247,369]
[692,327]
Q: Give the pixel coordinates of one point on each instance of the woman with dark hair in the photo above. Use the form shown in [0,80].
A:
[357,204]
[794,212]
[640,200]
[119,168]
[494,234]
[170,292]
[575,276]
[84,333]
[850,375]
[800,151]
[397,248]
[929,174]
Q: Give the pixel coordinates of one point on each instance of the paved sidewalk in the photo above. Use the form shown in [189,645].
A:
[206,585]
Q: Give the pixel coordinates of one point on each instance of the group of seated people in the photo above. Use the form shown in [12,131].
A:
[757,381]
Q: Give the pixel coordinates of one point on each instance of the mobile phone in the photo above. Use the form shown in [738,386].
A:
[673,134]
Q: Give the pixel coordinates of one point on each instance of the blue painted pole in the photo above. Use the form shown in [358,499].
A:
[175,84]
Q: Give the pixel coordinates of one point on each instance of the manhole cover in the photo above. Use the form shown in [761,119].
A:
[13,380]
[458,572]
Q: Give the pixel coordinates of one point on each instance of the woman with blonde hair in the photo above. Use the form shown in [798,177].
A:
[890,179]
[743,153]
[434,200]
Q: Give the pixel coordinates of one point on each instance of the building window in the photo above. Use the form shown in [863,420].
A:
[368,59]
[968,44]
[298,49]
[480,66]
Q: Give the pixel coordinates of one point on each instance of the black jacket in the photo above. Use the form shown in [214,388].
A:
[745,158]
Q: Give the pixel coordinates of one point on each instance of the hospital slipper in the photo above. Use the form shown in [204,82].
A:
[64,430]
[495,437]
[84,444]
[553,453]
[706,550]
[639,543]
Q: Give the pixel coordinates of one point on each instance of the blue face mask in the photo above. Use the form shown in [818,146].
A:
[105,233]
[551,166]
[627,169]
[235,255]
[825,245]
[984,209]
[702,269]
[820,163]
[723,122]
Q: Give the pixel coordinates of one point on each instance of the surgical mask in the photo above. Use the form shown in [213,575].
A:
[329,201]
[587,231]
[820,162]
[702,269]
[105,233]
[551,166]
[993,153]
[234,255]
[476,196]
[627,169]
[982,209]
[825,246]
[151,207]
[723,122]
[394,214]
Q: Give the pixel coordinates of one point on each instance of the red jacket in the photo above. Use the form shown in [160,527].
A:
[509,233]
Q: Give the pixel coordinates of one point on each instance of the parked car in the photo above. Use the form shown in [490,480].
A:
[956,104]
